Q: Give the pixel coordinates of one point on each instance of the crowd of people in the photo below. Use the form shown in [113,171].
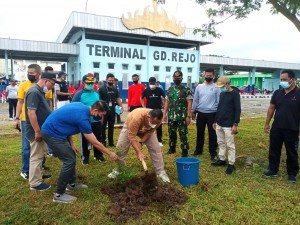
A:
[91,111]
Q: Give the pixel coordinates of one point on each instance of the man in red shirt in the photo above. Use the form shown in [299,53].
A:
[134,93]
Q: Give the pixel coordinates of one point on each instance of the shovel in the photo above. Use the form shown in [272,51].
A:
[144,166]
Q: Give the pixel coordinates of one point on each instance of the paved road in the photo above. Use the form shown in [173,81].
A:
[254,107]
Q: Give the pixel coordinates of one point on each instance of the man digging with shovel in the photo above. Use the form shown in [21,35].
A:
[141,122]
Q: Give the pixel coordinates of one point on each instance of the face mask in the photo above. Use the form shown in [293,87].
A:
[223,89]
[152,125]
[110,83]
[96,118]
[208,79]
[177,82]
[45,89]
[284,84]
[88,87]
[152,86]
[135,81]
[31,78]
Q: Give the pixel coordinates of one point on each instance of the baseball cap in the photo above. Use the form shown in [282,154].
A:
[222,81]
[50,76]
[177,73]
[61,73]
[152,80]
[88,78]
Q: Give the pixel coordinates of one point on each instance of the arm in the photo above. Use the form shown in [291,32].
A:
[129,98]
[63,93]
[35,125]
[166,107]
[270,114]
[120,103]
[142,101]
[189,112]
[195,101]
[93,140]
[18,113]
[237,113]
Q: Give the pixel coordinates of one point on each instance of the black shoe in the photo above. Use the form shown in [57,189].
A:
[292,178]
[230,169]
[184,153]
[269,174]
[101,158]
[171,151]
[46,176]
[85,162]
[45,167]
[219,163]
[196,152]
[214,158]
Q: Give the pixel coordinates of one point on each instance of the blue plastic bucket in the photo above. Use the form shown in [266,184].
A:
[188,171]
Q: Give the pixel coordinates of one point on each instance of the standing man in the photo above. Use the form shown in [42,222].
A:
[116,83]
[205,104]
[88,96]
[285,103]
[134,93]
[226,123]
[37,110]
[141,123]
[11,95]
[154,96]
[62,91]
[57,132]
[109,93]
[178,105]
[33,74]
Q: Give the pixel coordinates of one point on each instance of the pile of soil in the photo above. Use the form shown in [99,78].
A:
[139,194]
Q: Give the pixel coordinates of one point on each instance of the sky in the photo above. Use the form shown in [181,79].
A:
[262,36]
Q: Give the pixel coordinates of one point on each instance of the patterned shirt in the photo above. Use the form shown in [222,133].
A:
[178,97]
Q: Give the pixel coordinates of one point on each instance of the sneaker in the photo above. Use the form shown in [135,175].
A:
[46,176]
[114,173]
[219,163]
[230,169]
[161,144]
[163,175]
[41,187]
[101,158]
[292,178]
[214,158]
[269,174]
[64,198]
[196,152]
[24,175]
[77,186]
[171,151]
[85,162]
[45,167]
[49,154]
[11,119]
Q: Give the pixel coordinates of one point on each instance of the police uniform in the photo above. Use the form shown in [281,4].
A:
[177,98]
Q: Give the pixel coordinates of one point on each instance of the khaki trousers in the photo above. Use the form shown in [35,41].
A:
[37,152]
[152,146]
[226,141]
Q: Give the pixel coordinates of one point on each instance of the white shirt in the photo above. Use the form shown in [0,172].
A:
[12,91]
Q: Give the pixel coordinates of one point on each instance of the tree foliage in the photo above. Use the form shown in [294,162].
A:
[220,10]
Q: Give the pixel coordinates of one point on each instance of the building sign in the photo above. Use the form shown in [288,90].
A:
[156,53]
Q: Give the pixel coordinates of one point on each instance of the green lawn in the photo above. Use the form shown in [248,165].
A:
[242,198]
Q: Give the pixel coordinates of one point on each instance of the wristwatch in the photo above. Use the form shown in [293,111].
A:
[17,118]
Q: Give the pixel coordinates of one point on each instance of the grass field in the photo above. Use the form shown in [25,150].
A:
[242,198]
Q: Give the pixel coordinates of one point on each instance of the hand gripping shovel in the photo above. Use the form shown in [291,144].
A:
[144,166]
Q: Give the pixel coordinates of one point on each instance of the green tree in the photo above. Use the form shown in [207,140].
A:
[221,10]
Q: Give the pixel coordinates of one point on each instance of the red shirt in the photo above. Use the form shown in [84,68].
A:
[134,93]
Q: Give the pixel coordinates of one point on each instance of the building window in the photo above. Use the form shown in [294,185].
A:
[125,81]
[125,66]
[156,68]
[178,68]
[138,67]
[190,69]
[96,76]
[111,65]
[168,68]
[96,65]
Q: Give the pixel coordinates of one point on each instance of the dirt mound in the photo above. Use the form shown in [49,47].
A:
[140,194]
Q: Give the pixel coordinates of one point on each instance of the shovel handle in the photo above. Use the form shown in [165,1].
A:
[144,165]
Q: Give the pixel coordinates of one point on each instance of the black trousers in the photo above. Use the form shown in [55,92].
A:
[134,107]
[159,133]
[291,140]
[109,121]
[96,128]
[208,119]
[12,106]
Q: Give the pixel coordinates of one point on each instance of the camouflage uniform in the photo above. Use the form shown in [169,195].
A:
[177,98]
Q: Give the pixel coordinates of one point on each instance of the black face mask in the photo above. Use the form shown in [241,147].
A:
[177,82]
[31,78]
[96,118]
[208,79]
[110,83]
[135,81]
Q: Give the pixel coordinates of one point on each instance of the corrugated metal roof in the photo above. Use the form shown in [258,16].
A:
[99,22]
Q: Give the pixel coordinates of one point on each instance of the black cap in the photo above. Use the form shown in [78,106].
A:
[88,78]
[61,73]
[177,73]
[152,80]
[50,76]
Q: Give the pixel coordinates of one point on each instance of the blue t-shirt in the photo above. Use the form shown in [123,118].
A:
[68,120]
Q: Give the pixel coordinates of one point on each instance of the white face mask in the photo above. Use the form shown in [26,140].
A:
[152,125]
[45,89]
[152,86]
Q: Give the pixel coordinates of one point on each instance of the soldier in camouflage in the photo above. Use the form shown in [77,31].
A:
[178,110]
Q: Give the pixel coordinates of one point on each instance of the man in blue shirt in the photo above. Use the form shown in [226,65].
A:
[57,132]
